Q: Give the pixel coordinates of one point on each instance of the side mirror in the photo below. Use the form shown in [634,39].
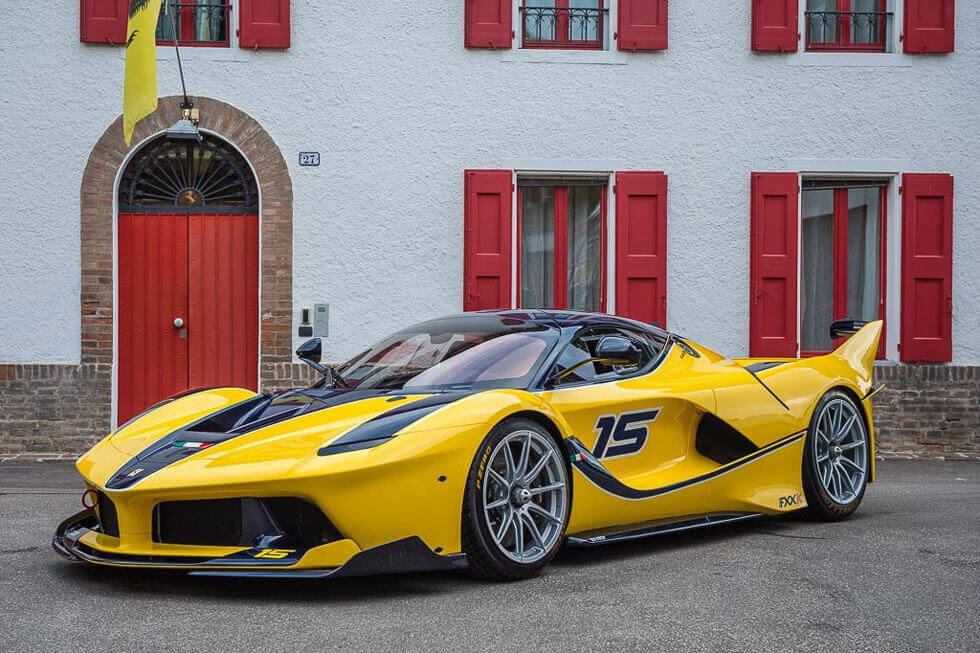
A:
[311,350]
[618,351]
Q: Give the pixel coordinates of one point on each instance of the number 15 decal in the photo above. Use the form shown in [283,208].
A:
[624,434]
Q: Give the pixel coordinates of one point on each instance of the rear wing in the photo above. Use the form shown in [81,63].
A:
[861,347]
[846,327]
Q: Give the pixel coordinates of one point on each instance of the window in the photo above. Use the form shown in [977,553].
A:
[557,257]
[477,351]
[583,347]
[861,25]
[203,23]
[566,24]
[843,254]
[561,244]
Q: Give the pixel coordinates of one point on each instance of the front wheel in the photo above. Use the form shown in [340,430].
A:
[517,502]
[836,457]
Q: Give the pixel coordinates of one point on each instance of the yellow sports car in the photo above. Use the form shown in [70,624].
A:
[481,441]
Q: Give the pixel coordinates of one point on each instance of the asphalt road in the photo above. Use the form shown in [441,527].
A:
[903,574]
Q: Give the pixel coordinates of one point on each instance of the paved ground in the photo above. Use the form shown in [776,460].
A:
[902,575]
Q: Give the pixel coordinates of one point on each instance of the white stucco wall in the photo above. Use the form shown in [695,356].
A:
[399,109]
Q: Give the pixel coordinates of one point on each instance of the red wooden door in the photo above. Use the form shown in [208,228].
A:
[202,269]
[152,293]
[223,315]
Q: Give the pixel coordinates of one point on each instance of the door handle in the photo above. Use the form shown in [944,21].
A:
[179,324]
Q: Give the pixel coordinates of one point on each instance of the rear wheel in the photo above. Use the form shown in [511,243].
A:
[836,458]
[517,502]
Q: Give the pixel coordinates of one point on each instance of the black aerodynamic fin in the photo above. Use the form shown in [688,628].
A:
[768,389]
[717,440]
[383,427]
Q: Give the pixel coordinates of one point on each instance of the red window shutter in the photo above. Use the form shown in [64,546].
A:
[641,246]
[263,24]
[773,265]
[487,239]
[104,21]
[929,26]
[927,268]
[775,25]
[642,25]
[488,24]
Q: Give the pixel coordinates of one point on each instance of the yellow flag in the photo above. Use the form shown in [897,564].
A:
[140,89]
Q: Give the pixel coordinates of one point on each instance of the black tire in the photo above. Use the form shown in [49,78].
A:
[485,558]
[822,504]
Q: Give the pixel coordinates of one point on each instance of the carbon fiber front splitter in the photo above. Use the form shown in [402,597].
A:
[409,554]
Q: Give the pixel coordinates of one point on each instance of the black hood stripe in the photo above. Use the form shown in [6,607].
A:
[226,424]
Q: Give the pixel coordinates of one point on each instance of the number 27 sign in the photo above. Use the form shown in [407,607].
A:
[309,158]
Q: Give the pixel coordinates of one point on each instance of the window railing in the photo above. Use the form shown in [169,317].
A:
[563,27]
[197,23]
[848,30]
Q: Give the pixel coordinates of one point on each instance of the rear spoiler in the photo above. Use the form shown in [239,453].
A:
[845,327]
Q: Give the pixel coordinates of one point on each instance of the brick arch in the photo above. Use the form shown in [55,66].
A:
[276,231]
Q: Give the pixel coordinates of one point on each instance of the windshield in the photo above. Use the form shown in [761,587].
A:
[456,353]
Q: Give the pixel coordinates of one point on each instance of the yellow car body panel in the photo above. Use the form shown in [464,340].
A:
[413,484]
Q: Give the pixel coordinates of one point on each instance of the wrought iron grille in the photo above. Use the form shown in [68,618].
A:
[197,23]
[563,27]
[167,176]
[847,30]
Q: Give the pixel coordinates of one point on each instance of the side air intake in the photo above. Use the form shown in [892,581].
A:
[720,442]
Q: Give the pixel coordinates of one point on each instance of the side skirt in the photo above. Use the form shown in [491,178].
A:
[661,527]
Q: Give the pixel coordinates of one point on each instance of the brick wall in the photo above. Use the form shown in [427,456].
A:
[931,410]
[926,410]
[53,408]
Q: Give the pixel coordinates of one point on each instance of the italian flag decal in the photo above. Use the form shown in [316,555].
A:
[578,457]
[192,445]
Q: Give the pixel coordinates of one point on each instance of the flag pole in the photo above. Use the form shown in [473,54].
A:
[180,68]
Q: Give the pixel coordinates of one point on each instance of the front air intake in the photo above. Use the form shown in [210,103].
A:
[241,522]
[106,511]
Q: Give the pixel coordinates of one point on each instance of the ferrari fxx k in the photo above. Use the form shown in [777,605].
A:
[481,440]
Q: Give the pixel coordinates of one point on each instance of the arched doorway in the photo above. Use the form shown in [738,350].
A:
[188,272]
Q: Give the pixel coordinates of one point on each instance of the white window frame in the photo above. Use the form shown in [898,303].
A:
[892,57]
[586,170]
[849,169]
[608,55]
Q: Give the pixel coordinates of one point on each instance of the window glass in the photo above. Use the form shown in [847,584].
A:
[540,20]
[584,24]
[840,268]
[584,347]
[576,24]
[204,22]
[584,247]
[538,247]
[817,273]
[460,352]
[822,21]
[866,23]
[863,253]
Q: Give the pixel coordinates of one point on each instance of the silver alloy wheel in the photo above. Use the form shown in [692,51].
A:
[841,451]
[525,491]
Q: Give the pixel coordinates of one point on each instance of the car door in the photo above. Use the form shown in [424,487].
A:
[613,411]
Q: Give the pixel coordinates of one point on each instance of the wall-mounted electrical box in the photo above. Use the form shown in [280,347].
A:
[321,320]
